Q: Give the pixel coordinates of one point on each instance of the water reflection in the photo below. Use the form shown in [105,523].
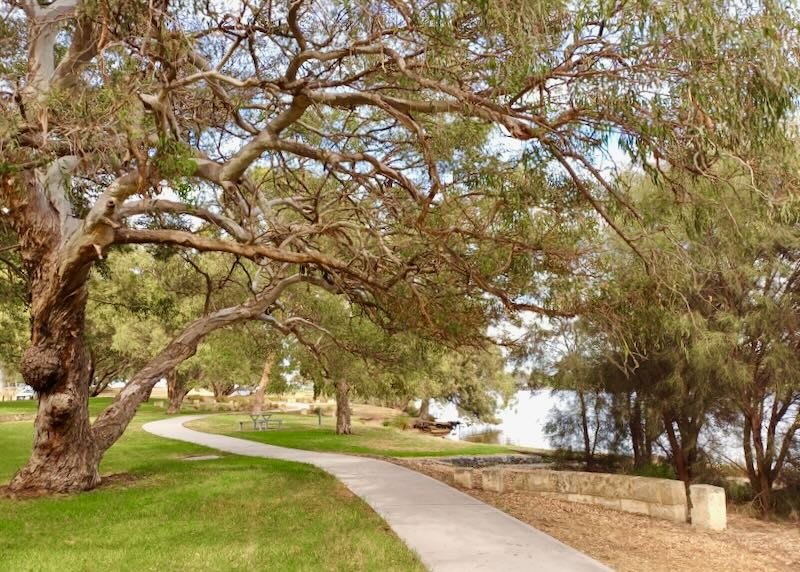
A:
[489,436]
[522,422]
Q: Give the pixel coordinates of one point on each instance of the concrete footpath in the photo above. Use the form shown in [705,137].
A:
[449,530]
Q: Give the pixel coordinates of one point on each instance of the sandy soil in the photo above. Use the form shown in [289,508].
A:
[633,543]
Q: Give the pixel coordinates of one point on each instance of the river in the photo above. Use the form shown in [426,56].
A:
[522,424]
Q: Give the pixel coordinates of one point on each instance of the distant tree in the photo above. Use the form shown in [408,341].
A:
[708,327]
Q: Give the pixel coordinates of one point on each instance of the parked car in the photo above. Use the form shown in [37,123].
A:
[24,393]
[242,392]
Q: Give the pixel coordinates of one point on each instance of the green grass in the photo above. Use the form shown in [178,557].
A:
[232,513]
[302,432]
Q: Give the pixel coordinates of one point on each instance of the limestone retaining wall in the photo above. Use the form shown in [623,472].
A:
[659,498]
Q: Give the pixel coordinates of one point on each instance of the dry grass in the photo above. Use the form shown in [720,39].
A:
[634,543]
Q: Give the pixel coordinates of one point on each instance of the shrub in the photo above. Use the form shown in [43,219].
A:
[655,470]
[401,421]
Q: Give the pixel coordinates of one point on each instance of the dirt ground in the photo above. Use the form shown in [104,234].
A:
[634,543]
[372,414]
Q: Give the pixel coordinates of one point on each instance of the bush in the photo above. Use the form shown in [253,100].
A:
[401,421]
[737,491]
[786,500]
[656,471]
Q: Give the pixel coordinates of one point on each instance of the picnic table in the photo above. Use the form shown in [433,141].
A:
[261,422]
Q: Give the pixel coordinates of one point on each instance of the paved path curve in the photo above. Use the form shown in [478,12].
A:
[449,530]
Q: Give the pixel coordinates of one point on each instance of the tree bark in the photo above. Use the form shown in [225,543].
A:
[588,451]
[64,458]
[176,391]
[258,399]
[425,409]
[640,440]
[683,446]
[56,365]
[343,425]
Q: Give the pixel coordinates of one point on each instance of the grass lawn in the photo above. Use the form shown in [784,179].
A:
[303,432]
[232,513]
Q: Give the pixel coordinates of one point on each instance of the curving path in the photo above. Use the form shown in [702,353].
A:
[449,530]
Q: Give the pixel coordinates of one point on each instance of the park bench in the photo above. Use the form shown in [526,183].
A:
[261,422]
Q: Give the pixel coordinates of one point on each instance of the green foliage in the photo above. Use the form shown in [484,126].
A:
[175,161]
[655,470]
[403,422]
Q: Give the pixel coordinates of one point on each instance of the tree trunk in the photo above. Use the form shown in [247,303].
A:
[343,426]
[402,404]
[222,388]
[176,391]
[757,460]
[56,365]
[258,399]
[64,458]
[588,455]
[683,446]
[57,253]
[638,433]
[425,410]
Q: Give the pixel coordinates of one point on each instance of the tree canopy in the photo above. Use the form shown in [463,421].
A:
[437,164]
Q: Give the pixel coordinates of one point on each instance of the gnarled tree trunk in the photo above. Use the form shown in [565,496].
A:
[56,364]
[343,425]
[64,457]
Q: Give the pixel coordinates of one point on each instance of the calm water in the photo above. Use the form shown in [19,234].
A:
[522,423]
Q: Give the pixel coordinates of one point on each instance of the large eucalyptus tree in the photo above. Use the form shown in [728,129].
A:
[353,146]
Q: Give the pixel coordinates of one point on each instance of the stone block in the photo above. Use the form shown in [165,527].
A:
[493,480]
[583,483]
[672,512]
[583,499]
[604,485]
[463,478]
[671,492]
[542,481]
[644,489]
[634,506]
[517,479]
[611,503]
[708,507]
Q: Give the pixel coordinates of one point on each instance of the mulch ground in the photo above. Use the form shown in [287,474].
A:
[634,543]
